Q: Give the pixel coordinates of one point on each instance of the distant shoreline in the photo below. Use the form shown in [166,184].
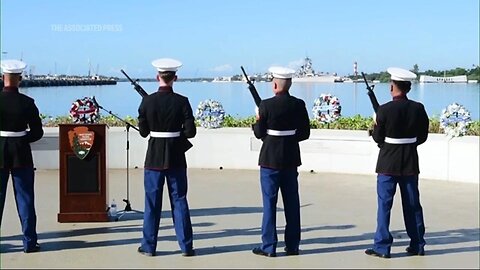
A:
[64,82]
[179,80]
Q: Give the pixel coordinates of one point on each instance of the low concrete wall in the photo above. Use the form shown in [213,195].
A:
[339,151]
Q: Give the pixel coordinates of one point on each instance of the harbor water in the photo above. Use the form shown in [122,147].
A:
[123,100]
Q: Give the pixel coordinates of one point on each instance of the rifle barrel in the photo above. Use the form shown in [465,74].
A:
[136,86]
[253,90]
[245,74]
[128,77]
[371,94]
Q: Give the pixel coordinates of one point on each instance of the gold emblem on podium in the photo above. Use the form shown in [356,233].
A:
[81,141]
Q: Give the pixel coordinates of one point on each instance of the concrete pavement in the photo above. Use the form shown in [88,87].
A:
[338,221]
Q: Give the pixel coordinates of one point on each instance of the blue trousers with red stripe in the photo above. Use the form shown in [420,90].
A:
[412,211]
[177,187]
[271,181]
[23,186]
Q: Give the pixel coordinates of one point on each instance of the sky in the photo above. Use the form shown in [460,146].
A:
[215,37]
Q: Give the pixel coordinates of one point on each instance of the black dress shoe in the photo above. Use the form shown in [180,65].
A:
[189,253]
[412,252]
[259,251]
[372,252]
[292,252]
[143,252]
[35,248]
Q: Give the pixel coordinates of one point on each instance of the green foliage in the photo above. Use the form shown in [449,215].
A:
[314,124]
[113,121]
[415,69]
[49,121]
[381,76]
[230,121]
[434,126]
[452,72]
[355,122]
[474,73]
[474,128]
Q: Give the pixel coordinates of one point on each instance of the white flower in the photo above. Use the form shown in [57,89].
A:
[326,108]
[210,113]
[454,120]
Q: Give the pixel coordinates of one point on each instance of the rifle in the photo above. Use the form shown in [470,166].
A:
[252,89]
[371,94]
[136,86]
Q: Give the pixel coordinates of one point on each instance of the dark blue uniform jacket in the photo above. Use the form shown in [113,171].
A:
[282,112]
[400,118]
[18,112]
[166,111]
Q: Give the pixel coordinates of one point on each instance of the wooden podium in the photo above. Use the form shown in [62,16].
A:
[83,173]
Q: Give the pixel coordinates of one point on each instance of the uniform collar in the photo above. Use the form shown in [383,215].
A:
[400,97]
[283,93]
[165,89]
[10,88]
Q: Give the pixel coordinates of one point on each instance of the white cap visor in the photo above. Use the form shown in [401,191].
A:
[166,64]
[13,66]
[281,72]
[400,74]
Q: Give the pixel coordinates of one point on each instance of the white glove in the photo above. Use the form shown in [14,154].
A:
[256,110]
[374,116]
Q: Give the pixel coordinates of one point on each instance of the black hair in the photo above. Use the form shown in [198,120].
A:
[167,76]
[404,86]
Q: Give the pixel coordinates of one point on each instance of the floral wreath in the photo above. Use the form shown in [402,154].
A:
[454,120]
[84,111]
[326,108]
[210,113]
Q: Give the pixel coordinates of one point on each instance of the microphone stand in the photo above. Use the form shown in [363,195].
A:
[128,207]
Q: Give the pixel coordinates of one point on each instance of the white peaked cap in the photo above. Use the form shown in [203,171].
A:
[13,66]
[166,64]
[400,74]
[281,72]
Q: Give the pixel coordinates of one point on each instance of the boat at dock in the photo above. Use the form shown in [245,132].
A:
[307,74]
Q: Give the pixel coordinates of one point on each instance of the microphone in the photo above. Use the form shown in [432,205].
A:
[96,103]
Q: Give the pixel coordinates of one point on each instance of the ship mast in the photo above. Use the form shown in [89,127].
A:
[306,70]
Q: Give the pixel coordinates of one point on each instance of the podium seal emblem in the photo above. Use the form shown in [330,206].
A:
[81,141]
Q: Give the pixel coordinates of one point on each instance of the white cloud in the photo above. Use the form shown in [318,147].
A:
[222,68]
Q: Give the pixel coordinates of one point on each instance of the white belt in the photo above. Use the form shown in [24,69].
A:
[12,133]
[273,132]
[400,140]
[158,134]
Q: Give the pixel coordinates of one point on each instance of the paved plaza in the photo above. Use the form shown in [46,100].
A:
[338,221]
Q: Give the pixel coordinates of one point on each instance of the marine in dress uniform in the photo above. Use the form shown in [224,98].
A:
[20,125]
[401,125]
[167,118]
[282,122]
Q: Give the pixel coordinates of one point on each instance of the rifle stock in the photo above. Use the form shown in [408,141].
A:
[253,90]
[371,94]
[136,86]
